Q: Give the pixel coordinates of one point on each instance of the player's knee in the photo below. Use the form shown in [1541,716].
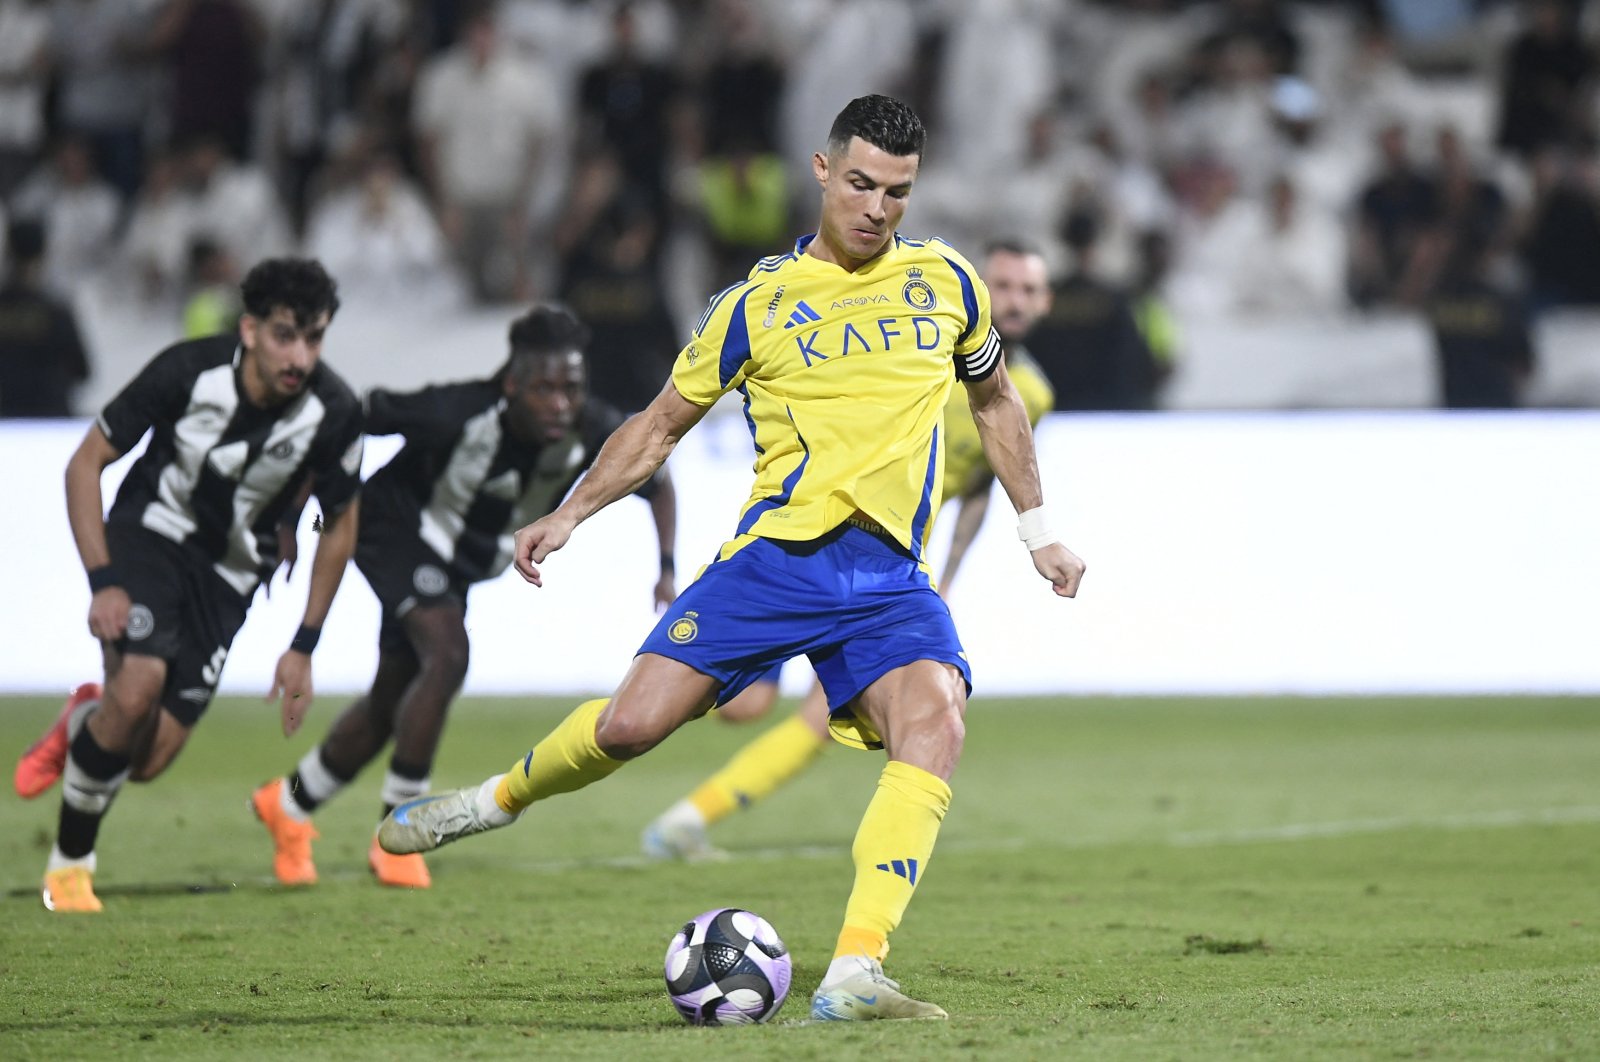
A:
[447,659]
[625,735]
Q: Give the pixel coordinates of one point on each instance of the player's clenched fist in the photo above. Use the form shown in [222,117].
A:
[1061,566]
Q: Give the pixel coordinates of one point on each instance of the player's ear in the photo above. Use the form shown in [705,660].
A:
[248,325]
[819,166]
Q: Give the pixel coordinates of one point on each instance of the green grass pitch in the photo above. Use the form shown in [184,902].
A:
[1140,878]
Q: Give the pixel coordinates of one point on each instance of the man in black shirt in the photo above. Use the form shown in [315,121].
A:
[481,459]
[1481,333]
[41,352]
[239,424]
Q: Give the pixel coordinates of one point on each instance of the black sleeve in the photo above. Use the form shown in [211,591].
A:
[159,393]
[336,460]
[400,412]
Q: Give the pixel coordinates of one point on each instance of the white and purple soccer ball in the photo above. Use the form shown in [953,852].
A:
[727,967]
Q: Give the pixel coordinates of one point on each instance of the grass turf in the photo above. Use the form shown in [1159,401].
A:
[1385,878]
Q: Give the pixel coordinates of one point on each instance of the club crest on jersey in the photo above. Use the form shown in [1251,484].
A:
[282,451]
[684,629]
[918,293]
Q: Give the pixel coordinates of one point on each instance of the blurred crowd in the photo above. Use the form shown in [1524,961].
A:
[1232,159]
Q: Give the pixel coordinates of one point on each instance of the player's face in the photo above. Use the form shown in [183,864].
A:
[544,404]
[864,194]
[1019,292]
[279,353]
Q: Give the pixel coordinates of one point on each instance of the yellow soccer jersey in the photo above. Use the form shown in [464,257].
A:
[844,378]
[964,462]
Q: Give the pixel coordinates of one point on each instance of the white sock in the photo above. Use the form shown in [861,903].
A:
[845,966]
[286,801]
[398,789]
[488,810]
[683,814]
[80,716]
[57,861]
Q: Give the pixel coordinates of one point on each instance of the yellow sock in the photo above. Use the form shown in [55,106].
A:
[758,769]
[567,759]
[891,853]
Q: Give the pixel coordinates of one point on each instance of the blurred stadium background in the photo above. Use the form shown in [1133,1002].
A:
[1254,210]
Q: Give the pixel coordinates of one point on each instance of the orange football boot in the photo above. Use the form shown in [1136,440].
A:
[46,758]
[291,837]
[400,871]
[70,890]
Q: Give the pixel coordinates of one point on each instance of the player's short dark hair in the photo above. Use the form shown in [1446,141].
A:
[1013,245]
[299,284]
[882,121]
[548,328]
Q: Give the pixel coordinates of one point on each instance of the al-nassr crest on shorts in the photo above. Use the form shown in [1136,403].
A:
[918,293]
[684,629]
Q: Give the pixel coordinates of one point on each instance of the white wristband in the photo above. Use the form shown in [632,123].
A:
[1033,527]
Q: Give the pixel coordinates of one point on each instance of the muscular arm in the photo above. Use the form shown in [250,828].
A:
[1008,446]
[1007,438]
[628,458]
[664,510]
[108,611]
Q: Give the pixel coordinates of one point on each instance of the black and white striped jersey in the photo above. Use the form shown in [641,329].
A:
[462,482]
[219,471]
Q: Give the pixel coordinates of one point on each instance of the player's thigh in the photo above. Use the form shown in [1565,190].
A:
[657,695]
[132,692]
[437,631]
[918,711]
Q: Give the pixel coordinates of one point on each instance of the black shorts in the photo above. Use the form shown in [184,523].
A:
[182,611]
[405,572]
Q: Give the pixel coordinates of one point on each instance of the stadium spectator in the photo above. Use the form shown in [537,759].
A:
[106,81]
[213,59]
[379,238]
[1561,239]
[1547,82]
[482,117]
[1088,343]
[78,209]
[24,76]
[161,229]
[612,280]
[231,202]
[1481,332]
[1152,309]
[1396,214]
[480,459]
[211,304]
[864,431]
[41,347]
[629,108]
[1019,287]
[238,425]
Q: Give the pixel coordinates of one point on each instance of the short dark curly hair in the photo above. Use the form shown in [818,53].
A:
[547,328]
[882,121]
[299,284]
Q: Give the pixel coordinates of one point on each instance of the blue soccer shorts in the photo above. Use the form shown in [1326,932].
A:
[855,603]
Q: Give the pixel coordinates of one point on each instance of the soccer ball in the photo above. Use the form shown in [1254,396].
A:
[727,967]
